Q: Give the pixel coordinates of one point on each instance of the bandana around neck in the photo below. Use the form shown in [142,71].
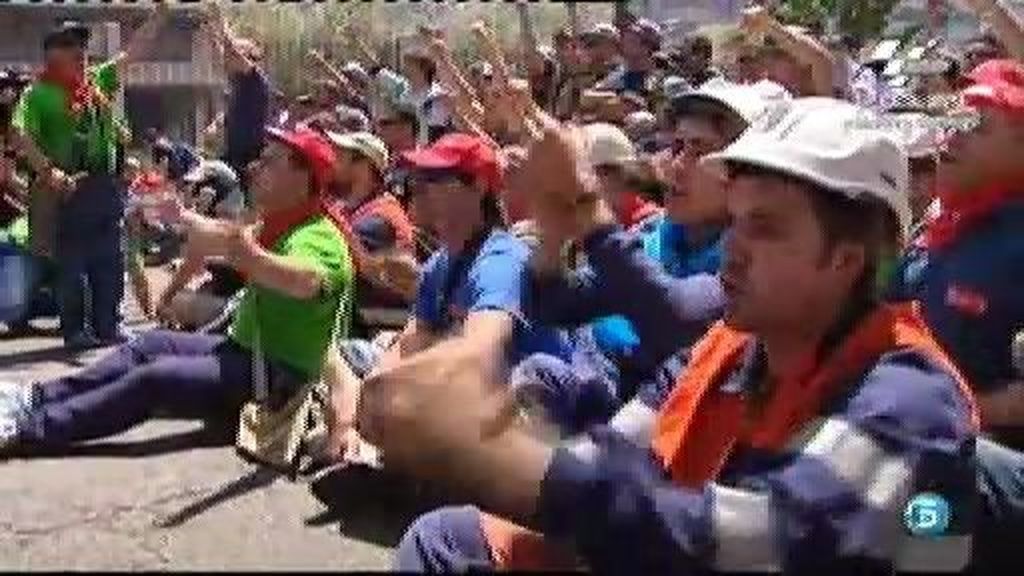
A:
[79,91]
[962,211]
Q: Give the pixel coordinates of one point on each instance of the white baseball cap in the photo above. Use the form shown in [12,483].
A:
[607,145]
[833,144]
[364,143]
[748,101]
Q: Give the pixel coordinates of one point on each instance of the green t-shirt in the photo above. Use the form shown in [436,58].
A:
[16,233]
[86,141]
[297,332]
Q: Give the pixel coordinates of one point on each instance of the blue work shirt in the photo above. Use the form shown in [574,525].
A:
[664,242]
[496,279]
[972,295]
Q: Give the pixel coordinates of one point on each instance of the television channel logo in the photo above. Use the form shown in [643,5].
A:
[927,514]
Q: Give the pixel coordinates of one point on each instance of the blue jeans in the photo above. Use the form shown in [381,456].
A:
[445,541]
[18,272]
[90,258]
[188,375]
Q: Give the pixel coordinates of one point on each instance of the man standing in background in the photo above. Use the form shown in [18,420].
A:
[248,106]
[67,117]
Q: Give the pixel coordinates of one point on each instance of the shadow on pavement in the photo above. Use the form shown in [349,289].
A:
[29,332]
[253,480]
[53,353]
[205,437]
[371,505]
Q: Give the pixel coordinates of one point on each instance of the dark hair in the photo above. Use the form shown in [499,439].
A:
[404,116]
[952,73]
[563,36]
[299,161]
[161,151]
[426,65]
[700,45]
[491,212]
[723,119]
[15,82]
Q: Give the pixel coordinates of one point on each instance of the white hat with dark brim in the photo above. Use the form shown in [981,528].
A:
[748,101]
[830,143]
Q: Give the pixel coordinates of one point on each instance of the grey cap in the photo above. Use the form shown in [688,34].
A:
[352,119]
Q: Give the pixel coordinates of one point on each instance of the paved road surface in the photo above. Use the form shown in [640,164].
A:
[169,495]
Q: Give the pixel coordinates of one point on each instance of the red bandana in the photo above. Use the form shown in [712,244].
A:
[635,210]
[962,211]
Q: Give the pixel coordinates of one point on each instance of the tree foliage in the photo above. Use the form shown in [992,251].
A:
[861,19]
[287,31]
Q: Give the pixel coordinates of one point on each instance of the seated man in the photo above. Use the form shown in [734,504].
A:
[298,271]
[379,223]
[681,247]
[966,270]
[471,301]
[213,190]
[800,437]
[967,274]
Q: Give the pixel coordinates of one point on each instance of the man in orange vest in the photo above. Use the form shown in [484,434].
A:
[814,427]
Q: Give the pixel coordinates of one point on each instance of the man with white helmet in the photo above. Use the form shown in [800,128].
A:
[683,245]
[804,431]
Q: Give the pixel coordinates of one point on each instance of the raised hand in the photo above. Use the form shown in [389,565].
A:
[561,185]
[756,19]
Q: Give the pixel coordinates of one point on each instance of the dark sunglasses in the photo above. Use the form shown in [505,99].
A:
[422,177]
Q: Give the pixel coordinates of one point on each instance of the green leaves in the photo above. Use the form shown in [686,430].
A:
[862,19]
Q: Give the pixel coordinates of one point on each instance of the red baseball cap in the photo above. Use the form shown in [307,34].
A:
[997,84]
[462,153]
[314,149]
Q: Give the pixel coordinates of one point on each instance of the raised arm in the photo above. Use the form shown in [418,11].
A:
[1008,28]
[364,52]
[234,55]
[801,47]
[142,40]
[451,77]
[493,53]
[532,57]
[331,71]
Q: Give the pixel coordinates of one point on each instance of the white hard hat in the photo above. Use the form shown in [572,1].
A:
[831,143]
[748,101]
[607,145]
[364,143]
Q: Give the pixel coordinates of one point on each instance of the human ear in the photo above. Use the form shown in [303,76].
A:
[849,260]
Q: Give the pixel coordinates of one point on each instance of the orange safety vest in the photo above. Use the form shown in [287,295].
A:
[388,207]
[698,426]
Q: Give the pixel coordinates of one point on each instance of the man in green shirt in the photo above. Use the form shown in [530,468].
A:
[299,272]
[66,121]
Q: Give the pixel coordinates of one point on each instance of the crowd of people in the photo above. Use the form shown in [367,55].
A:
[657,308]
